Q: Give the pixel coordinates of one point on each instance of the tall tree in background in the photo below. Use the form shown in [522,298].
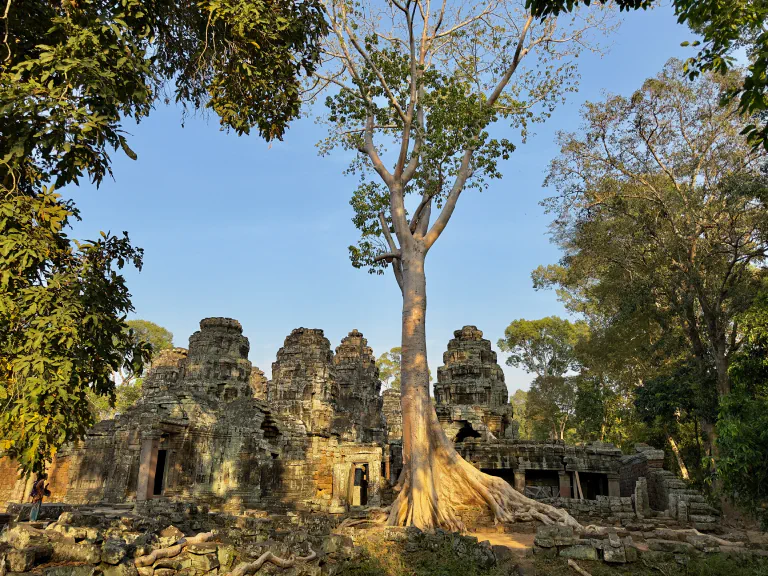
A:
[70,74]
[427,82]
[662,210]
[726,27]
[128,382]
[663,222]
[545,347]
[742,425]
[518,401]
[389,368]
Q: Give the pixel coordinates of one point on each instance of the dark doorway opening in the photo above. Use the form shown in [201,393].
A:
[466,431]
[593,485]
[361,483]
[159,473]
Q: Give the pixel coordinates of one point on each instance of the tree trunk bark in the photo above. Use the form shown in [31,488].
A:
[678,457]
[437,483]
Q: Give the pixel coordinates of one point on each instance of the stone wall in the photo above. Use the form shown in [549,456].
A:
[640,464]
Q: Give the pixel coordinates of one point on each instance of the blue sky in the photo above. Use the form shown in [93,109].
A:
[234,227]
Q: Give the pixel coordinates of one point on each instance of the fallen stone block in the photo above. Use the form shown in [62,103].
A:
[670,546]
[68,552]
[83,570]
[122,569]
[113,551]
[20,560]
[579,552]
[614,555]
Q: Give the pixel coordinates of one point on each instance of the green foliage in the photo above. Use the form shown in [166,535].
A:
[661,216]
[62,326]
[742,428]
[156,336]
[389,368]
[128,385]
[726,27]
[550,406]
[126,395]
[546,347]
[519,401]
[73,71]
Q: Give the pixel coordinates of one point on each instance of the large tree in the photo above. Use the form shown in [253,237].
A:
[428,82]
[662,216]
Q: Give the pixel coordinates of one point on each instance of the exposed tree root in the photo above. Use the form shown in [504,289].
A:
[578,568]
[171,551]
[432,494]
[245,568]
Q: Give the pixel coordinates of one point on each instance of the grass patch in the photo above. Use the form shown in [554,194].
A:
[393,559]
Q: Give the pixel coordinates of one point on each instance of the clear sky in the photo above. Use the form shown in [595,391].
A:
[234,227]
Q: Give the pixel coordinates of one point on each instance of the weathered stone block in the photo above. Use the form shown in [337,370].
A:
[20,560]
[113,551]
[204,562]
[70,571]
[579,552]
[673,546]
[68,552]
[614,555]
[226,555]
[122,569]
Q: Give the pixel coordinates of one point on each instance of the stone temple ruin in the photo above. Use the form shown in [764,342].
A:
[320,436]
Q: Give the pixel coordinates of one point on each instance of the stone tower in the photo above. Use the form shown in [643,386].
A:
[359,416]
[304,380]
[470,374]
[471,397]
[217,364]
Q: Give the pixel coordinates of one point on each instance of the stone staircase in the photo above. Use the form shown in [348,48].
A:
[685,504]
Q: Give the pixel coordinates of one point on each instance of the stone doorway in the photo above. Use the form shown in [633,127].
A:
[359,496]
[159,481]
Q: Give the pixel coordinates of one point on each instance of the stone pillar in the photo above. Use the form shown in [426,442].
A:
[147,466]
[614,485]
[642,503]
[565,485]
[520,481]
[387,471]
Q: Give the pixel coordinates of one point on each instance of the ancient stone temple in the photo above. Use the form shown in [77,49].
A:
[210,428]
[320,436]
[472,404]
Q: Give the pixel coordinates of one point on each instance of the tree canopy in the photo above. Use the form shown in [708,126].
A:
[726,26]
[71,74]
[545,347]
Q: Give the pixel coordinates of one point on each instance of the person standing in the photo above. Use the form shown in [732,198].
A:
[39,491]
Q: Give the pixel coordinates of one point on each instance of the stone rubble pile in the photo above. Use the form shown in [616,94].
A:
[643,541]
[80,544]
